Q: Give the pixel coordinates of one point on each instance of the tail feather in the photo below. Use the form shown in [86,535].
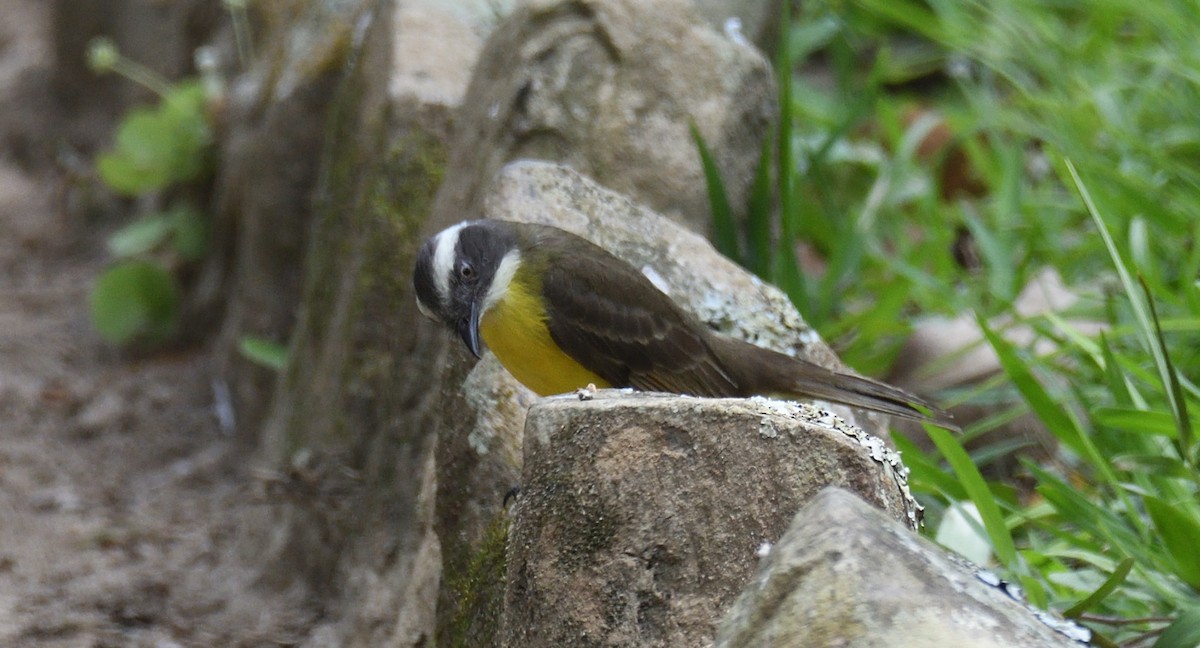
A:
[765,372]
[856,391]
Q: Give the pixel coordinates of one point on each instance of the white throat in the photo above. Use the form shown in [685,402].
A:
[502,279]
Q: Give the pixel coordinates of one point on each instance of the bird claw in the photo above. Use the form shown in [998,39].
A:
[586,393]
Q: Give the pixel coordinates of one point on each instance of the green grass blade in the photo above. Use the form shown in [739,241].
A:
[1097,520]
[1184,631]
[724,226]
[1138,421]
[1149,331]
[1056,417]
[263,352]
[1111,583]
[973,482]
[924,474]
[758,216]
[1118,387]
[1170,378]
[1178,533]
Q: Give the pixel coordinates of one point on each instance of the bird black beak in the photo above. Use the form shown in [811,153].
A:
[468,329]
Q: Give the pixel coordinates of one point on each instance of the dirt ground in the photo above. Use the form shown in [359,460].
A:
[121,501]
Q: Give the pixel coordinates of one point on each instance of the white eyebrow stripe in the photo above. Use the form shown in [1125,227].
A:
[501,280]
[443,260]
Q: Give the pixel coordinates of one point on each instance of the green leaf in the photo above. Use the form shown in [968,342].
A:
[1143,310]
[1098,519]
[140,236]
[924,474]
[1179,412]
[191,232]
[156,147]
[1117,385]
[1055,416]
[1156,465]
[758,216]
[981,495]
[142,156]
[1129,419]
[1179,533]
[184,109]
[1184,631]
[134,301]
[724,226]
[1110,584]
[264,352]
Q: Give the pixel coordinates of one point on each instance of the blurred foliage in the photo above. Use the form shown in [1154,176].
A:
[936,155]
[161,145]
[156,149]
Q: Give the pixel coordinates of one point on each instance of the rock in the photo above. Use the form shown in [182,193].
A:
[608,87]
[681,263]
[271,147]
[846,574]
[350,423]
[934,342]
[479,444]
[757,21]
[105,411]
[641,514]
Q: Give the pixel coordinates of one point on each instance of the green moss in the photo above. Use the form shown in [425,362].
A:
[380,172]
[476,581]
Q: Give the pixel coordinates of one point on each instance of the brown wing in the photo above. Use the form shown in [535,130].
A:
[612,320]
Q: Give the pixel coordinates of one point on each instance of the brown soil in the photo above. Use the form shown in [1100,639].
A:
[122,503]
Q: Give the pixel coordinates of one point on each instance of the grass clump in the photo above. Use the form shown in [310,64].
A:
[936,156]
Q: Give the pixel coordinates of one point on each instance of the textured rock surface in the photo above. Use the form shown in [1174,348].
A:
[479,446]
[608,87]
[271,149]
[641,514]
[683,264]
[845,574]
[756,20]
[349,427]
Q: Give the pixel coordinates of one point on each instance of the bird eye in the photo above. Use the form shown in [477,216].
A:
[466,271]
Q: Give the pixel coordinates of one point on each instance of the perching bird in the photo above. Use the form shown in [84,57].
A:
[560,312]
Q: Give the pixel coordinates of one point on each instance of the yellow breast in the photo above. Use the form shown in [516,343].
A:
[514,328]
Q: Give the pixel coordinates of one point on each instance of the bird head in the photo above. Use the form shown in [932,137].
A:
[462,272]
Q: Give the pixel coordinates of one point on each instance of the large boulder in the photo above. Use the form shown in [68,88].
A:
[642,515]
[479,452]
[846,574]
[332,171]
[608,87]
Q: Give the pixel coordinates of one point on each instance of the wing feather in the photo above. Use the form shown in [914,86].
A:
[611,319]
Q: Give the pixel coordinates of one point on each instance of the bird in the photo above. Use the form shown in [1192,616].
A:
[560,313]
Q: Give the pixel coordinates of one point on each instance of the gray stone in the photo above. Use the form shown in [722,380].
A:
[271,149]
[608,87]
[103,412]
[641,515]
[340,148]
[681,263]
[847,575]
[479,444]
[756,20]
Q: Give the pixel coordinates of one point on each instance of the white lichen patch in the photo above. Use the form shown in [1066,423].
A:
[874,446]
[767,429]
